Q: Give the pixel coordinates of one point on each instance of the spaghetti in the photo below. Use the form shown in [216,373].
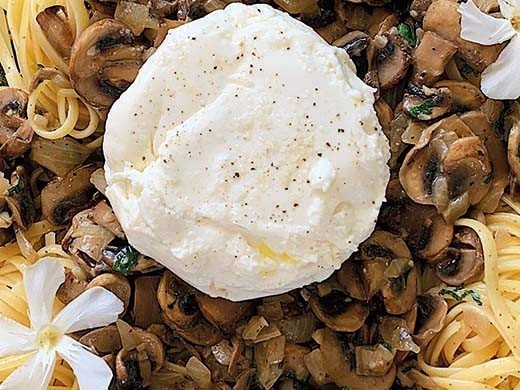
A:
[24,49]
[479,347]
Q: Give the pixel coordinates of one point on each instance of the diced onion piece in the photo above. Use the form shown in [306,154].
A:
[99,181]
[254,327]
[395,332]
[59,156]
[200,374]
[136,16]
[268,358]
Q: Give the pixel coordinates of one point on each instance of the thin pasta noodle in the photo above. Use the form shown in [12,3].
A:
[479,347]
[19,29]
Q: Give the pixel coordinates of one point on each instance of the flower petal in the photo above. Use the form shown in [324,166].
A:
[482,28]
[94,308]
[500,80]
[508,7]
[92,372]
[41,282]
[15,338]
[34,374]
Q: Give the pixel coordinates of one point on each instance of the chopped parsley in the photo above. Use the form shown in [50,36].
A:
[423,109]
[408,34]
[459,293]
[17,188]
[387,346]
[125,260]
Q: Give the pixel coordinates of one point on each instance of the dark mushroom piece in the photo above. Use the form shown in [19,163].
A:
[400,289]
[19,200]
[16,133]
[465,96]
[55,26]
[430,58]
[71,289]
[349,276]
[293,362]
[103,341]
[65,196]
[339,312]
[354,43]
[134,367]
[223,314]
[146,308]
[340,365]
[392,60]
[513,145]
[202,333]
[115,283]
[423,229]
[55,75]
[463,261]
[103,215]
[104,61]
[448,168]
[431,315]
[425,103]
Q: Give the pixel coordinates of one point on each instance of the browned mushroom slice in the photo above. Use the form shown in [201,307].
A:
[177,301]
[443,19]
[423,229]
[103,215]
[65,196]
[349,276]
[339,312]
[400,289]
[447,171]
[146,308]
[431,57]
[293,362]
[55,75]
[355,43]
[16,133]
[104,61]
[339,364]
[425,103]
[479,124]
[222,313]
[71,289]
[383,245]
[134,367]
[465,95]
[55,26]
[103,340]
[202,333]
[393,61]
[115,283]
[513,145]
[431,315]
[463,261]
[373,360]
[19,200]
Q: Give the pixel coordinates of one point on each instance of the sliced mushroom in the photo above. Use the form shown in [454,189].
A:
[293,362]
[146,308]
[400,288]
[354,42]
[339,363]
[339,312]
[425,103]
[55,26]
[134,367]
[70,289]
[431,57]
[115,283]
[19,200]
[177,301]
[393,61]
[16,133]
[479,124]
[349,276]
[449,168]
[103,340]
[443,18]
[465,95]
[104,61]
[423,229]
[463,261]
[431,315]
[65,196]
[202,333]
[55,75]
[103,215]
[373,360]
[513,143]
[222,313]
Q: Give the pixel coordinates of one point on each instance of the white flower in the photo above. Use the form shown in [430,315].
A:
[47,336]
[500,80]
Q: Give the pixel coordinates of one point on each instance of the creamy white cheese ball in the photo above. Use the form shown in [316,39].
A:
[246,157]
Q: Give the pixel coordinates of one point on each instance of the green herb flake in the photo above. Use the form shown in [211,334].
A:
[408,34]
[459,293]
[125,260]
[17,188]
[423,109]
[387,346]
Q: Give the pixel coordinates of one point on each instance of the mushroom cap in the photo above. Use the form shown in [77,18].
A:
[431,316]
[339,312]
[115,283]
[222,313]
[393,61]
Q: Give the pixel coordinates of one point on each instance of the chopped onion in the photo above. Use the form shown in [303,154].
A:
[298,329]
[59,156]
[5,220]
[254,327]
[271,310]
[99,181]
[268,358]
[267,333]
[136,16]
[26,248]
[395,332]
[316,367]
[128,340]
[200,374]
[222,352]
[373,360]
